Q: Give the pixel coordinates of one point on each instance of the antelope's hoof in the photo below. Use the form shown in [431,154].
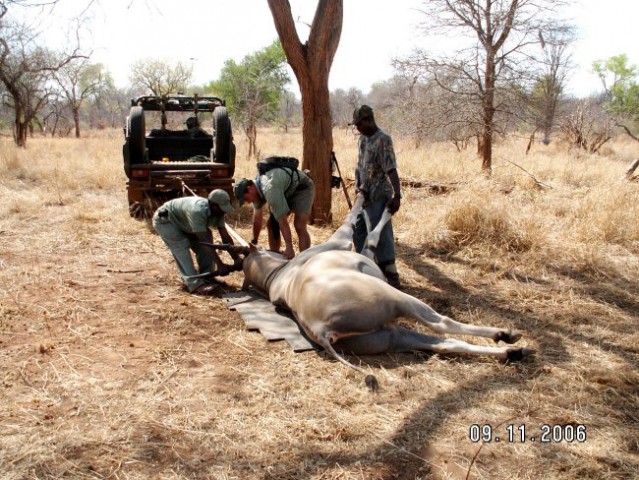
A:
[518,354]
[507,337]
[371,383]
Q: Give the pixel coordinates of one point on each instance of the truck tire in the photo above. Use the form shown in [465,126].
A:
[136,203]
[137,132]
[223,135]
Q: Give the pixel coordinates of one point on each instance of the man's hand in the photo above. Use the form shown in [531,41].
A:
[364,194]
[289,253]
[393,204]
[222,270]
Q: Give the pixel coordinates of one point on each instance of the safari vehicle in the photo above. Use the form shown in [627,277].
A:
[180,157]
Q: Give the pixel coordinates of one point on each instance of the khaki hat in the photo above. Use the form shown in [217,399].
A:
[222,199]
[361,113]
[239,189]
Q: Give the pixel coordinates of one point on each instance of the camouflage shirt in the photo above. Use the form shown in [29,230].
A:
[376,158]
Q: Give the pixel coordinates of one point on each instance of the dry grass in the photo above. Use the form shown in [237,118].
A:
[109,370]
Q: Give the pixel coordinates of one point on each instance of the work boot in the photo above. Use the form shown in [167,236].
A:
[206,289]
[393,280]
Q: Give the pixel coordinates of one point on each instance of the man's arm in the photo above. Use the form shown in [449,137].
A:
[394,203]
[358,186]
[257,223]
[226,238]
[207,237]
[225,235]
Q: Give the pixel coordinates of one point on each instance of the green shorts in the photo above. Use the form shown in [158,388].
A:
[302,200]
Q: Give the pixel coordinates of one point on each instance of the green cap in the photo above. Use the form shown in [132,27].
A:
[222,199]
[239,189]
[362,113]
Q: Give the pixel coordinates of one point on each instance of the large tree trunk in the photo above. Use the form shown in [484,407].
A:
[317,135]
[311,62]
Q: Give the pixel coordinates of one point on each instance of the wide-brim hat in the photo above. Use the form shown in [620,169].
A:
[222,199]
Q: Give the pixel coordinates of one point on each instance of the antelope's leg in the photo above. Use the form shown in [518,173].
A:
[370,245]
[402,340]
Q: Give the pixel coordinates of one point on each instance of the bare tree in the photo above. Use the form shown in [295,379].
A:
[25,70]
[426,111]
[78,80]
[587,126]
[311,63]
[109,104]
[290,111]
[160,77]
[499,35]
[4,4]
[56,116]
[549,86]
[343,103]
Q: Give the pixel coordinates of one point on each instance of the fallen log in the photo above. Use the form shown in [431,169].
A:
[434,187]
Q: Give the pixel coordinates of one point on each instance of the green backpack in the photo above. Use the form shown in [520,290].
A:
[270,163]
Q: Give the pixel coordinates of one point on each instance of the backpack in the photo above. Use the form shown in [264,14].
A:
[270,163]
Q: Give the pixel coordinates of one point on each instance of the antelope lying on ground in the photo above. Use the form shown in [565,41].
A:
[342,301]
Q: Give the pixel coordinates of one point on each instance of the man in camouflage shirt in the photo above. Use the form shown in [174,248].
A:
[376,176]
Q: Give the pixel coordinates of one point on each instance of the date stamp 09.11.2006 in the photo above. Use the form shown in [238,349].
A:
[520,433]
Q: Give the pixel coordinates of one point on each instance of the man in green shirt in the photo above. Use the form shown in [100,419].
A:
[183,223]
[285,190]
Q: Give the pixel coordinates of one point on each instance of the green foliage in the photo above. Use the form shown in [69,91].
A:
[253,87]
[95,76]
[620,82]
[546,86]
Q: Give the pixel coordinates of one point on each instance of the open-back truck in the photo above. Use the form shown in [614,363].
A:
[179,157]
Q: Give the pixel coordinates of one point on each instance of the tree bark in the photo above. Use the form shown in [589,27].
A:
[76,121]
[488,114]
[251,135]
[20,133]
[311,63]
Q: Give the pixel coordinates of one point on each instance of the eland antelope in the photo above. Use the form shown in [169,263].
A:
[343,303]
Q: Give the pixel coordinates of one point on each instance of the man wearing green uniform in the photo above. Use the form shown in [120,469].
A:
[183,223]
[285,190]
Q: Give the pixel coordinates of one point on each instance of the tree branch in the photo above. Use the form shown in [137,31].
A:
[285,26]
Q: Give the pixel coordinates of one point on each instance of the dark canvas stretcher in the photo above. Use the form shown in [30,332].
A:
[273,323]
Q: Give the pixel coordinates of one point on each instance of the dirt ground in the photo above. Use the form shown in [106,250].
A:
[110,370]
